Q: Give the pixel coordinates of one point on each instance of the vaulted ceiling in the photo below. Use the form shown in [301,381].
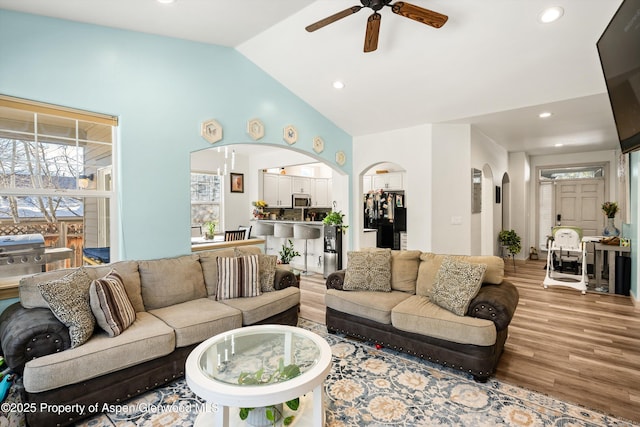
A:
[493,64]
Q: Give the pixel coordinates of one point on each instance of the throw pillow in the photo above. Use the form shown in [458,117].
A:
[457,283]
[267,272]
[110,304]
[68,298]
[368,271]
[237,277]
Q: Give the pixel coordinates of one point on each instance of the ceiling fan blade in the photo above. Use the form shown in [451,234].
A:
[419,14]
[333,18]
[373,29]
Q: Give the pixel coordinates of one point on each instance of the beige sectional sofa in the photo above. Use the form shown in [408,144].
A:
[177,305]
[425,309]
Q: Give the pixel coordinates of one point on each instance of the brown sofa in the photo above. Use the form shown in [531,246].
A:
[175,309]
[406,318]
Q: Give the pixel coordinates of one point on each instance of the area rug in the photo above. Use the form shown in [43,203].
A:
[377,387]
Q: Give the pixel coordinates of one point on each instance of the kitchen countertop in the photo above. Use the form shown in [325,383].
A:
[292,221]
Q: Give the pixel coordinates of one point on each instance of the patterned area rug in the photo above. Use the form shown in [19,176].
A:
[370,387]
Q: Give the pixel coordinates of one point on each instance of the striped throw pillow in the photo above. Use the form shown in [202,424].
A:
[110,304]
[237,277]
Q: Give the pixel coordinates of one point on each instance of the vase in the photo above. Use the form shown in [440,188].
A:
[610,229]
[258,416]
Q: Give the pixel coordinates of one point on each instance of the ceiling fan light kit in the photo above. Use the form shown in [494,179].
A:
[407,10]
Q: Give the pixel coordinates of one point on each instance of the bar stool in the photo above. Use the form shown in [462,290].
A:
[305,232]
[263,229]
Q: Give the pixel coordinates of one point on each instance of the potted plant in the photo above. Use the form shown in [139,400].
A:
[510,240]
[210,230]
[271,413]
[335,218]
[288,252]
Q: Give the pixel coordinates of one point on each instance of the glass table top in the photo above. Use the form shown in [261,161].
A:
[258,358]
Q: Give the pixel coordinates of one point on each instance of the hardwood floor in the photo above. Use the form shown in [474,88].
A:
[583,349]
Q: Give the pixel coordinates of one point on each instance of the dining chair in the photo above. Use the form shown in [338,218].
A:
[231,235]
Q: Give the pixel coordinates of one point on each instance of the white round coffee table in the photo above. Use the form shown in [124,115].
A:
[214,367]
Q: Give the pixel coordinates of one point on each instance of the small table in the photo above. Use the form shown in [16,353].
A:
[611,250]
[213,368]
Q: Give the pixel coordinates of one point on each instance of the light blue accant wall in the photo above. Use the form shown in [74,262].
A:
[161,89]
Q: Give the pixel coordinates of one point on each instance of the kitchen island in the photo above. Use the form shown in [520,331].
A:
[315,247]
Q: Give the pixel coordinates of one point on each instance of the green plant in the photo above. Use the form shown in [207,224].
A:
[511,240]
[283,373]
[288,252]
[335,218]
[210,229]
[610,209]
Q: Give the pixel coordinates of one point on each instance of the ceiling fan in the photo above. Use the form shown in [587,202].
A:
[407,10]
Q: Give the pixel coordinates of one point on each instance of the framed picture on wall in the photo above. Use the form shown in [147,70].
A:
[237,182]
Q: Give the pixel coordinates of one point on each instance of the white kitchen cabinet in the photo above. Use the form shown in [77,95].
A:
[388,181]
[301,185]
[366,183]
[320,197]
[276,190]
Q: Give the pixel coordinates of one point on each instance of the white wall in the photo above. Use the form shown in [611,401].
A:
[410,149]
[520,205]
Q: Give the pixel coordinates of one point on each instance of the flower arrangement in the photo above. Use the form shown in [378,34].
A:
[258,210]
[210,229]
[610,209]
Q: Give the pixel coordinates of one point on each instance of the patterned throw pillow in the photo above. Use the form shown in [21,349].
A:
[456,284]
[368,271]
[237,277]
[110,304]
[68,298]
[267,272]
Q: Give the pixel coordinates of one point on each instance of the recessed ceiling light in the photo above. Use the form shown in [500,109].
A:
[338,85]
[558,145]
[550,14]
[544,115]
[165,1]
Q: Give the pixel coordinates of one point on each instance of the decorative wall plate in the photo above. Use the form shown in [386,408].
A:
[255,129]
[290,135]
[318,144]
[341,158]
[211,130]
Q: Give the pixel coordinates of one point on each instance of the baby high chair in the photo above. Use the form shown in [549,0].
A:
[566,246]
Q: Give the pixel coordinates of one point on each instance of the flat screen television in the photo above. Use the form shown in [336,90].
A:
[619,51]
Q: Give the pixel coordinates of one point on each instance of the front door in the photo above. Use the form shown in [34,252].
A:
[578,204]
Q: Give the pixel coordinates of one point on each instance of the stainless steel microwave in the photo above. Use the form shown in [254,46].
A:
[300,200]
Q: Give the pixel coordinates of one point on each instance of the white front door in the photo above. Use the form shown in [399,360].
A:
[578,204]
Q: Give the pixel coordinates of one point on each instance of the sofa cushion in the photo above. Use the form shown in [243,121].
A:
[171,281]
[148,338]
[404,270]
[197,320]
[457,283]
[368,271]
[237,277]
[430,264]
[209,263]
[266,305]
[419,315]
[110,304]
[368,304]
[68,298]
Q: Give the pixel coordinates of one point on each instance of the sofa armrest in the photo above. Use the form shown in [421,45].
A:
[284,278]
[496,303]
[27,333]
[335,280]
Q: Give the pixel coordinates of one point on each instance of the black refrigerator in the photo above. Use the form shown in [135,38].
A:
[386,212]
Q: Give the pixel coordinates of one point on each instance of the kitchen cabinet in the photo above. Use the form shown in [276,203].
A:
[320,196]
[388,181]
[276,190]
[366,183]
[301,185]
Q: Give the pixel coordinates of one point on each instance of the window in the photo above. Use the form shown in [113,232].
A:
[56,178]
[206,199]
[583,172]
